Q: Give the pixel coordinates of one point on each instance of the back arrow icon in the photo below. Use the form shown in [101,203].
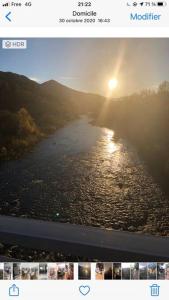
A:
[7,17]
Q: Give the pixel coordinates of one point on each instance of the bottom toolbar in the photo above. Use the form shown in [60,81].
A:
[128,290]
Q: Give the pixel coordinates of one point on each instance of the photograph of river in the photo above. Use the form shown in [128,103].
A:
[80,175]
[84,133]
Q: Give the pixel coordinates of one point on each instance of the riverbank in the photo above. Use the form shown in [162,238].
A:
[143,121]
[15,146]
[15,252]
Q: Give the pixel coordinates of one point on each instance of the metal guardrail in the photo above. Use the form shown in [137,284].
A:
[85,241]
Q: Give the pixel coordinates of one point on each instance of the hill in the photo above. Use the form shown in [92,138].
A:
[29,110]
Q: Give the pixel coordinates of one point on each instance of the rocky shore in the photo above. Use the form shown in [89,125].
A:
[32,255]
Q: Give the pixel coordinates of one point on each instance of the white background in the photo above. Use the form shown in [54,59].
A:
[69,290]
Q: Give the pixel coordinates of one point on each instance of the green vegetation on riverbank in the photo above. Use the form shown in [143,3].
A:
[18,133]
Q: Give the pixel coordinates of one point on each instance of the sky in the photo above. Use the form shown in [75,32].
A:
[88,64]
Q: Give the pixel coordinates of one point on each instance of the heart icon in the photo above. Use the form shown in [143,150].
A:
[84,289]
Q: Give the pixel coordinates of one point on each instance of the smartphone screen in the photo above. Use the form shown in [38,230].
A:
[84,149]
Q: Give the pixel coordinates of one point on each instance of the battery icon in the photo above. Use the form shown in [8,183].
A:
[161,3]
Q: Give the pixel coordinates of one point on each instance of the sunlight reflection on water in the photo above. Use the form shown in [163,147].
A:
[111,145]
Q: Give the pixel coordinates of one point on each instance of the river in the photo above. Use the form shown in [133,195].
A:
[83,174]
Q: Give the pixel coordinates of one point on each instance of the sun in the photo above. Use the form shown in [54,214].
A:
[113,83]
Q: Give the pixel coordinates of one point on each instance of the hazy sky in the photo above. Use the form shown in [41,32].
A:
[88,64]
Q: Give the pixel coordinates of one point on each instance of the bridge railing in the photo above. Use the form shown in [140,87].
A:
[85,241]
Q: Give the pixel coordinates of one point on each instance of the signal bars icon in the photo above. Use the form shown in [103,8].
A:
[6,4]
